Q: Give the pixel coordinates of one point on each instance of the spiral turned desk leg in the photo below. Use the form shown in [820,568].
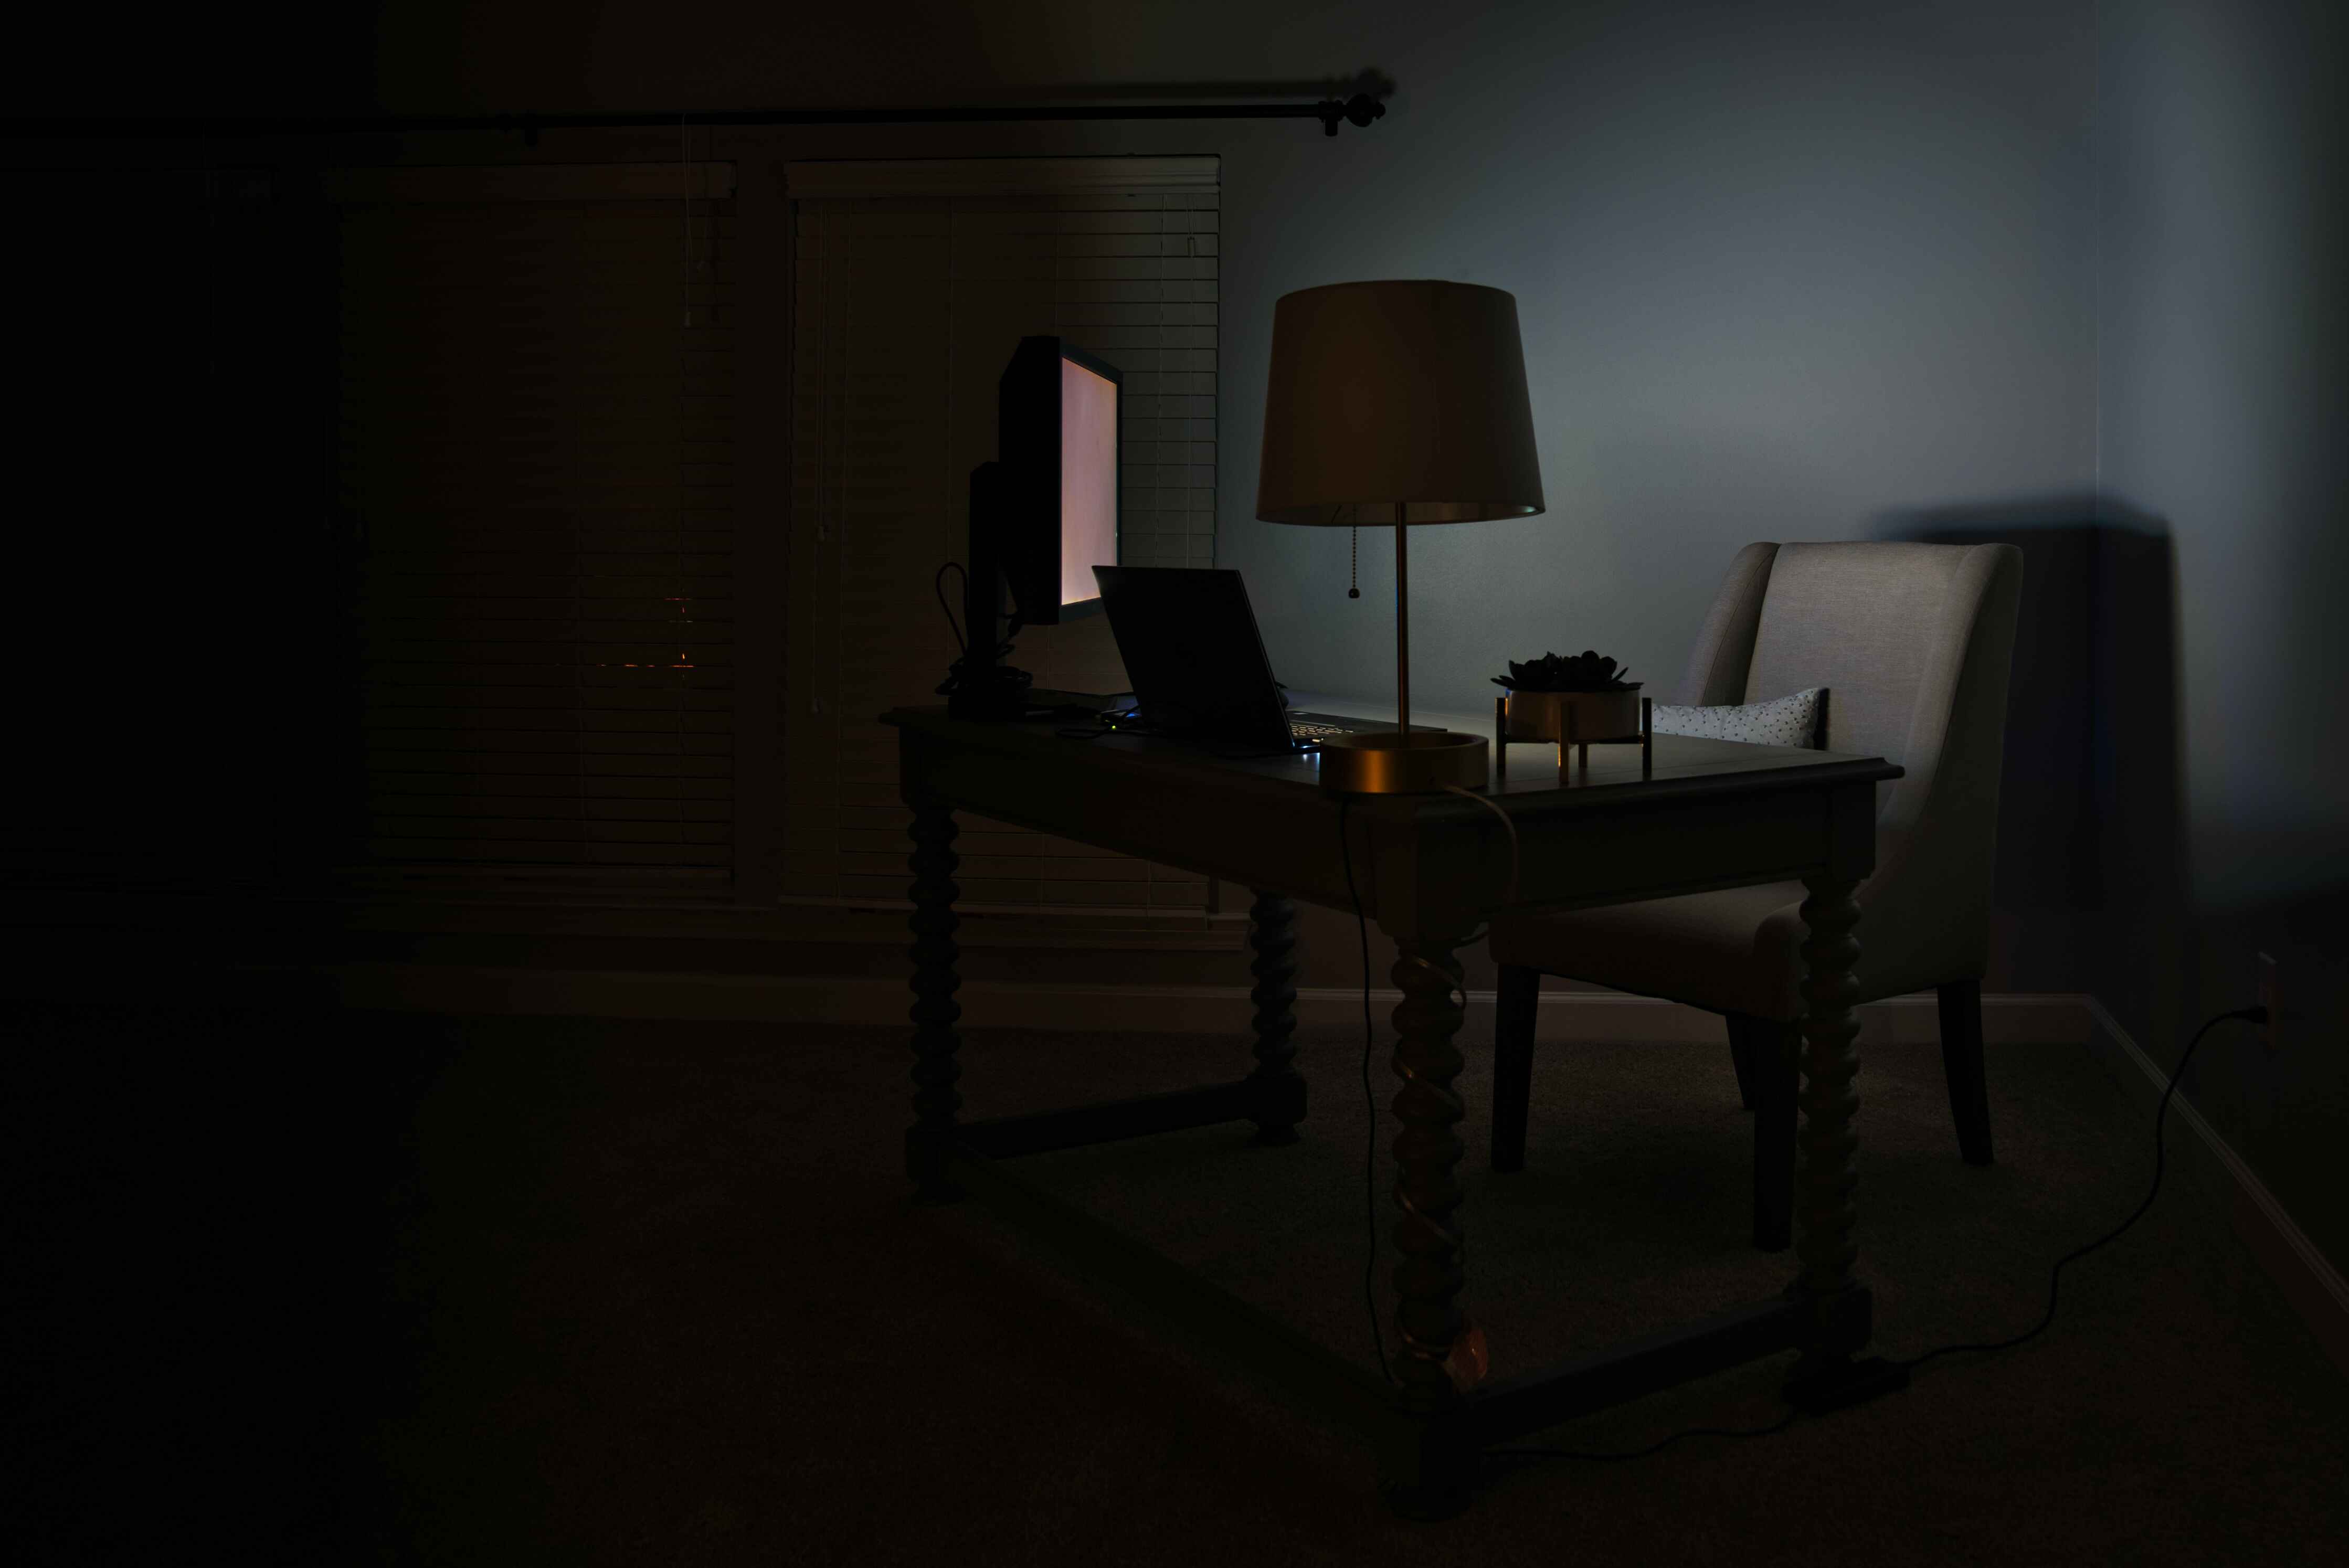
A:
[1826,1183]
[1426,1152]
[934,1010]
[1272,932]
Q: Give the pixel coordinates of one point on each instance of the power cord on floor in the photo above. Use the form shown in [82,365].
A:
[2055,1277]
[1370,1177]
[2247,1015]
[1369,1185]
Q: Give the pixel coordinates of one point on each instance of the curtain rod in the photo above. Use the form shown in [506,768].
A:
[1361,109]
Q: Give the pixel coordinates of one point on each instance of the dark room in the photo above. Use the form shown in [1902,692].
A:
[1039,782]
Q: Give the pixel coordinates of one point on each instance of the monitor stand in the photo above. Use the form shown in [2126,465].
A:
[981,685]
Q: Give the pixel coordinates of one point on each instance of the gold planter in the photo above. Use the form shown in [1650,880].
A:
[1572,715]
[1389,762]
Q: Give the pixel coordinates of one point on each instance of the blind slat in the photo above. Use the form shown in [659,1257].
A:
[535,440]
[906,310]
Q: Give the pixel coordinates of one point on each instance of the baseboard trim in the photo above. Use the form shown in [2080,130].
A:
[2307,1278]
[2034,1018]
[2309,1281]
[1563,1015]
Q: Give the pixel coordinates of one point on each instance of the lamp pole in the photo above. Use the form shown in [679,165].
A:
[1403,627]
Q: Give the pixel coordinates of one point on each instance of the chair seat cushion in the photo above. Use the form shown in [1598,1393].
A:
[1735,950]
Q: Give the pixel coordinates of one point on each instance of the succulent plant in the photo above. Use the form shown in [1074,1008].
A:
[1586,671]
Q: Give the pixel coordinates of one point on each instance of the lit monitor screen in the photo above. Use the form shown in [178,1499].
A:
[1088,479]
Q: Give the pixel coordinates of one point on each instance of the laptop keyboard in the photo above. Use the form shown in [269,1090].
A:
[1301,730]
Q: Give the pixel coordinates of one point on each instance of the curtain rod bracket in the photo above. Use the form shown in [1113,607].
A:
[1362,108]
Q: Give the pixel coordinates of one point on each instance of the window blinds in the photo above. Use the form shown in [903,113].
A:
[534,449]
[913,284]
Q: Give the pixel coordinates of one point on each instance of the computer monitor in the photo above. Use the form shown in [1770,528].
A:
[1042,516]
[1058,482]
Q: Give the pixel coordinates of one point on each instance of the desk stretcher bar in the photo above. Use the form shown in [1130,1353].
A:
[1426,1454]
[1707,814]
[1493,1413]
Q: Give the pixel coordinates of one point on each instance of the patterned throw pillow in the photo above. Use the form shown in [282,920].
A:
[1782,721]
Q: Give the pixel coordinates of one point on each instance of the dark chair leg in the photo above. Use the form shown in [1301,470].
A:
[1741,1054]
[1774,1053]
[1961,1062]
[1513,1063]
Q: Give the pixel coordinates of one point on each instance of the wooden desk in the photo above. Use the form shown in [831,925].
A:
[1429,869]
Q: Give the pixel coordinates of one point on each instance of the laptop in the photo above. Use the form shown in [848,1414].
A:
[1196,661]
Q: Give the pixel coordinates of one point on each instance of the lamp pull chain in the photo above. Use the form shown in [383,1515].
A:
[1354,563]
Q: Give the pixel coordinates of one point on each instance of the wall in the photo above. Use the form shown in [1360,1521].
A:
[1778,270]
[2223,390]
[1781,270]
[2057,272]
[1798,271]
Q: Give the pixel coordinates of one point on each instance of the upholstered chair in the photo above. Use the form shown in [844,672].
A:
[1911,643]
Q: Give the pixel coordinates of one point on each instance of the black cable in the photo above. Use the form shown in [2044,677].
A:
[985,675]
[1011,630]
[2248,1015]
[938,586]
[1370,1100]
[2055,1277]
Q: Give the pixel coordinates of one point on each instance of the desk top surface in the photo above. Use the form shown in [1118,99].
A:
[1684,765]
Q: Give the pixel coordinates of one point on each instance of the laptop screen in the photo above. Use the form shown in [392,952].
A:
[1193,653]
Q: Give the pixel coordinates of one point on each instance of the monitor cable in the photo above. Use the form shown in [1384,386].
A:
[985,675]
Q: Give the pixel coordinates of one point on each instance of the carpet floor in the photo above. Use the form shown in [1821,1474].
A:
[387,1288]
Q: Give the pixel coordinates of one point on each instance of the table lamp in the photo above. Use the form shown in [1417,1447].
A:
[1404,402]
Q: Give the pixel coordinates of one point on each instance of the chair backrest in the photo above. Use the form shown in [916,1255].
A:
[1913,643]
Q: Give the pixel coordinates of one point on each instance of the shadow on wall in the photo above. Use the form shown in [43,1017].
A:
[2092,838]
[2095,889]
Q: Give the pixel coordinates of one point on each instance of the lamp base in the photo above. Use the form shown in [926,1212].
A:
[1391,762]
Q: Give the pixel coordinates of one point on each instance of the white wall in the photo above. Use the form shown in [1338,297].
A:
[2222,389]
[1780,268]
[1787,269]
[2223,386]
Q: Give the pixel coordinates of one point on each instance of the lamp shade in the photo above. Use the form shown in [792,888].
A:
[1406,393]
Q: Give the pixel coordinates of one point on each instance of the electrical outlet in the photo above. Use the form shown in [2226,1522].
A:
[2272,1029]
